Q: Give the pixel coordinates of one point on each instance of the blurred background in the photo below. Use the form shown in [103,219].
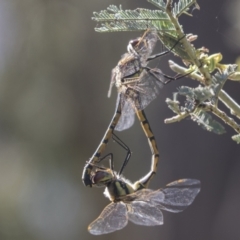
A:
[54,77]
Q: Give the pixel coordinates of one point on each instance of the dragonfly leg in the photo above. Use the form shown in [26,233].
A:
[124,146]
[165,52]
[169,78]
[111,164]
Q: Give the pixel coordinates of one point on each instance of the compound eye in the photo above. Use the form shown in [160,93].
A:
[134,42]
[99,177]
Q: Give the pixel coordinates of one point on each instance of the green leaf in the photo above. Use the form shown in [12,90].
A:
[173,105]
[169,39]
[133,26]
[219,79]
[199,93]
[158,3]
[205,120]
[236,138]
[203,93]
[117,14]
[186,91]
[179,8]
[116,19]
[189,105]
[183,6]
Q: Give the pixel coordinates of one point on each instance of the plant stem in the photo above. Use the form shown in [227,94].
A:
[222,115]
[187,45]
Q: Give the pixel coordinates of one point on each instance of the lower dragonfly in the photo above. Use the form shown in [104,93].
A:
[134,202]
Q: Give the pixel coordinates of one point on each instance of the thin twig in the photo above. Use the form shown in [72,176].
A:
[176,118]
[183,71]
[229,103]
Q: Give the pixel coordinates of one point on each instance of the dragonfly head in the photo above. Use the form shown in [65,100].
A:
[101,177]
[143,46]
[86,177]
[132,45]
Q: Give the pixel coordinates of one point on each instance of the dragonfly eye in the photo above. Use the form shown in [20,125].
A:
[134,42]
[100,178]
[132,45]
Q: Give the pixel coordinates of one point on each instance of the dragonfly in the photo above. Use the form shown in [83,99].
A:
[138,85]
[135,202]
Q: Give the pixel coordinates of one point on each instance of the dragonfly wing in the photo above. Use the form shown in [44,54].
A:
[176,196]
[146,45]
[112,218]
[148,86]
[127,116]
[112,81]
[143,213]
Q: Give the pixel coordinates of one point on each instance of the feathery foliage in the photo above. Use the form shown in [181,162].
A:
[199,100]
[116,19]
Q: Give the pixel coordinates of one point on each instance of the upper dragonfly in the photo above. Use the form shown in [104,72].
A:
[136,83]
[136,203]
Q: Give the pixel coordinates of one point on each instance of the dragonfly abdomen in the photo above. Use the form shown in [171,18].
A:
[143,183]
[95,158]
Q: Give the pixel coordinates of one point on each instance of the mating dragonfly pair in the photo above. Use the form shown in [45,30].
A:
[137,86]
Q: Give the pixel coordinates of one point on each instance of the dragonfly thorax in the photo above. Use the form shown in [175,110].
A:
[118,188]
[129,66]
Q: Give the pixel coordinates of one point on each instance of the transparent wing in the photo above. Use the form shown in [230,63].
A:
[176,196]
[128,66]
[142,213]
[127,116]
[146,45]
[112,218]
[148,87]
[140,195]
[112,81]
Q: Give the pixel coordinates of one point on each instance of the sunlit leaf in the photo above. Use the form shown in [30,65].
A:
[173,105]
[116,19]
[200,93]
[236,138]
[206,122]
[179,8]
